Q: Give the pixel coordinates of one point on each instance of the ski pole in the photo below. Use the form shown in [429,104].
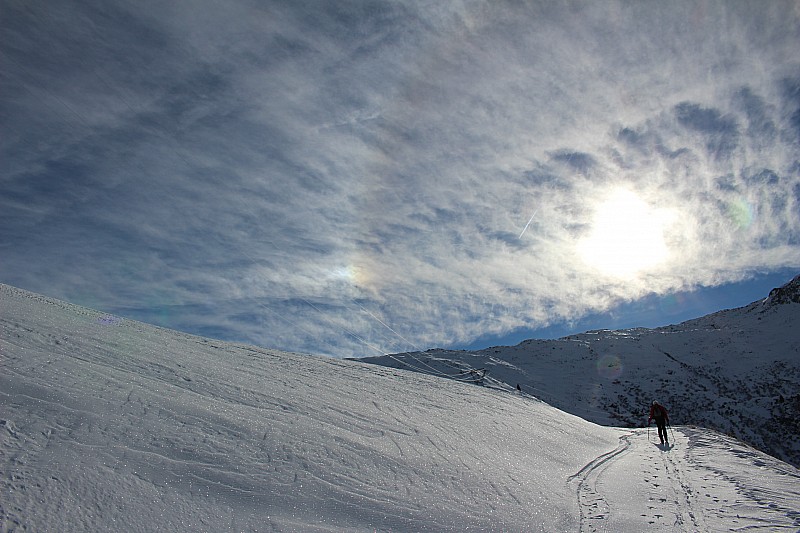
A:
[672,433]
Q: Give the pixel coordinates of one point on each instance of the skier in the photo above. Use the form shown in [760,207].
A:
[659,413]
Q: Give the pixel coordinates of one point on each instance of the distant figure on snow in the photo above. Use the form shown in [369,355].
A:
[659,413]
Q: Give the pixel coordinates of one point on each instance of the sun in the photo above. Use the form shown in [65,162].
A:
[626,236]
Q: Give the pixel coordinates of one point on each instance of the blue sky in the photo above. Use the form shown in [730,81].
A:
[355,177]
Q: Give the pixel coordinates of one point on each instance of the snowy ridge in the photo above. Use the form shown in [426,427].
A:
[789,293]
[108,424]
[737,371]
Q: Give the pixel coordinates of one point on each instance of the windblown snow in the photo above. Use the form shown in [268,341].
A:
[108,424]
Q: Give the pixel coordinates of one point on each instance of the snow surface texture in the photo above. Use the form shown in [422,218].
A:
[113,425]
[737,371]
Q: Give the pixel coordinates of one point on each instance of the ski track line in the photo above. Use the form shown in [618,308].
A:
[594,509]
[687,515]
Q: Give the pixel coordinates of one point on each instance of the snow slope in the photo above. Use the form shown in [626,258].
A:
[737,371]
[113,425]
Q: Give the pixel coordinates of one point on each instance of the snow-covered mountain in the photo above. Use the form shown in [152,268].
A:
[108,424]
[737,371]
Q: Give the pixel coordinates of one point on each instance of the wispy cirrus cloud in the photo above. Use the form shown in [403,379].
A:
[356,177]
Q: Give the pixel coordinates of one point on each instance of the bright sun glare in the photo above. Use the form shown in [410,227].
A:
[626,237]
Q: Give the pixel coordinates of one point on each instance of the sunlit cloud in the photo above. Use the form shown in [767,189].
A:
[358,177]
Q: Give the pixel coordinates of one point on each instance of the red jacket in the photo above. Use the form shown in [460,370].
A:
[658,411]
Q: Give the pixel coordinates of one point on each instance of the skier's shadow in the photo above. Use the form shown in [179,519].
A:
[663,447]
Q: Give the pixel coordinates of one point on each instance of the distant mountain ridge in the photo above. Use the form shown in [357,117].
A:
[736,371]
[789,293]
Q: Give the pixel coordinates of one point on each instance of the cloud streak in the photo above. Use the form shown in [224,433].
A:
[360,177]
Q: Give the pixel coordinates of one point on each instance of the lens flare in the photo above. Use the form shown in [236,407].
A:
[741,213]
[610,367]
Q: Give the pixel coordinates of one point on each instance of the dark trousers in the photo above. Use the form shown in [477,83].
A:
[662,429]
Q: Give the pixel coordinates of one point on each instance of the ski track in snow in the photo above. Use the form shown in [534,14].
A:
[686,487]
[594,508]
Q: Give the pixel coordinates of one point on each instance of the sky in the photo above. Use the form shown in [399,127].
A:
[355,177]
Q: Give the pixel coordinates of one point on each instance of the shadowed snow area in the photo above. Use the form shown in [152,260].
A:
[112,425]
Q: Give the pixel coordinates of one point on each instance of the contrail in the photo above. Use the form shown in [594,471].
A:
[528,224]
